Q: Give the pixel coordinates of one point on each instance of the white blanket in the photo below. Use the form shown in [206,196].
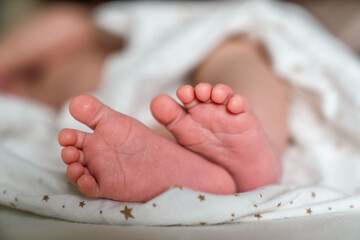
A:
[166,40]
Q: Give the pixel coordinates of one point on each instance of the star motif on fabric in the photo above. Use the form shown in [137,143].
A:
[329,208]
[127,213]
[291,202]
[154,205]
[46,198]
[202,223]
[100,211]
[313,194]
[201,197]
[255,205]
[258,216]
[63,206]
[308,211]
[236,195]
[82,204]
[351,206]
[260,195]
[178,186]
[233,214]
[278,205]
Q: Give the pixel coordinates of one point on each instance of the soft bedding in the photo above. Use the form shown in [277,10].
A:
[320,168]
[334,226]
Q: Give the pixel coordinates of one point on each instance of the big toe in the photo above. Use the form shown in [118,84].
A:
[166,110]
[87,109]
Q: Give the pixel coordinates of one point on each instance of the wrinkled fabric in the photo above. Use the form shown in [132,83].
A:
[321,168]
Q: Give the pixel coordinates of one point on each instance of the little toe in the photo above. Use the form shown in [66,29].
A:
[186,94]
[75,171]
[87,109]
[221,93]
[237,104]
[88,185]
[166,110]
[71,137]
[203,91]
[70,154]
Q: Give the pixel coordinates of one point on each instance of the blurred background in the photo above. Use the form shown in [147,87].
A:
[341,17]
[12,12]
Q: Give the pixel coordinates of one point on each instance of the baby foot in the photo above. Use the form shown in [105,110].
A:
[221,127]
[126,161]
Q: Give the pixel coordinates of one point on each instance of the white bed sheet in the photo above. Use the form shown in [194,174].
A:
[321,171]
[18,225]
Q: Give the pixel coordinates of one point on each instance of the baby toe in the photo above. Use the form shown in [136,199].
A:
[203,91]
[221,93]
[71,137]
[88,185]
[75,171]
[70,154]
[186,94]
[67,137]
[165,109]
[88,110]
[237,104]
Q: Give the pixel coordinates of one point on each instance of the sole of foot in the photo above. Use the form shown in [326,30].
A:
[216,124]
[124,160]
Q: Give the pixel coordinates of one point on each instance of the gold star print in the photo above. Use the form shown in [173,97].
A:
[178,186]
[154,204]
[201,197]
[258,216]
[100,211]
[82,204]
[46,198]
[233,214]
[236,195]
[127,213]
[279,204]
[202,223]
[255,205]
[308,211]
[313,194]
